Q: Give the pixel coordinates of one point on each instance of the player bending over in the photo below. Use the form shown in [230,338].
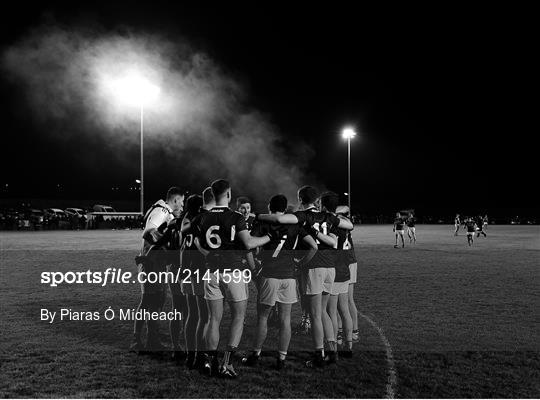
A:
[151,260]
[224,239]
[278,284]
[398,229]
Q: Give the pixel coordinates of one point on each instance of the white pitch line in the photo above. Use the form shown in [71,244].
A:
[392,375]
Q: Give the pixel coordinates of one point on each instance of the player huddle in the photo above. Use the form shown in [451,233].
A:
[304,256]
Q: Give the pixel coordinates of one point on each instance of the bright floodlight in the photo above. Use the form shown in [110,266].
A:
[133,89]
[348,133]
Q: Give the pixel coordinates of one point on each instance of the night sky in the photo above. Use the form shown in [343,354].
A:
[440,98]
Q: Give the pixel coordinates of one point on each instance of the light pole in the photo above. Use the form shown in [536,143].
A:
[348,133]
[135,90]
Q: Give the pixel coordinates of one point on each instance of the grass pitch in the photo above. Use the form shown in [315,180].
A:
[459,322]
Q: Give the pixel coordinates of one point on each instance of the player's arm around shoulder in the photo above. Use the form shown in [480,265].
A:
[251,242]
[345,223]
[284,219]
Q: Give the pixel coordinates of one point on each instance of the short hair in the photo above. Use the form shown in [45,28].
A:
[174,191]
[308,194]
[219,187]
[330,201]
[193,204]
[242,200]
[207,195]
[278,203]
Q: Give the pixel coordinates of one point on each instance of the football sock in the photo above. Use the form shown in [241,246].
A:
[282,355]
[228,354]
[257,352]
[320,352]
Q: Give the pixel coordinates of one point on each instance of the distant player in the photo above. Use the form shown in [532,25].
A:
[470,225]
[398,229]
[457,224]
[485,223]
[278,284]
[480,226]
[411,228]
[243,206]
[151,260]
[224,239]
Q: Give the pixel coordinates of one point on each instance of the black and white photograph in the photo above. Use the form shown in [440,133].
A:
[269,200]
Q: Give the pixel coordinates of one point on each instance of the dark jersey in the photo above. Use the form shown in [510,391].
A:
[349,247]
[277,255]
[479,222]
[322,222]
[341,257]
[192,259]
[250,222]
[398,222]
[411,221]
[218,231]
[470,226]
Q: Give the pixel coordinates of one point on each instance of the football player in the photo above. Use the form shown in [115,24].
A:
[353,270]
[190,258]
[470,225]
[457,223]
[411,228]
[197,284]
[278,283]
[398,229]
[243,206]
[224,239]
[338,300]
[153,295]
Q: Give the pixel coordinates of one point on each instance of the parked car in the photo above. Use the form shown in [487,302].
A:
[37,218]
[103,208]
[79,212]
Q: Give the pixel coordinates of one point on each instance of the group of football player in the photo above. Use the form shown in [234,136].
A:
[399,223]
[304,255]
[472,225]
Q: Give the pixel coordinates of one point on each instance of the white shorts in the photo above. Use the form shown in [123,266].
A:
[401,232]
[412,229]
[353,268]
[318,280]
[340,288]
[280,290]
[470,233]
[216,289]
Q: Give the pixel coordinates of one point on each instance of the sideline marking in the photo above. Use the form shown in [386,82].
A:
[392,375]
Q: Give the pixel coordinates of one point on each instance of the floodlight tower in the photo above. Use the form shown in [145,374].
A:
[348,133]
[135,90]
